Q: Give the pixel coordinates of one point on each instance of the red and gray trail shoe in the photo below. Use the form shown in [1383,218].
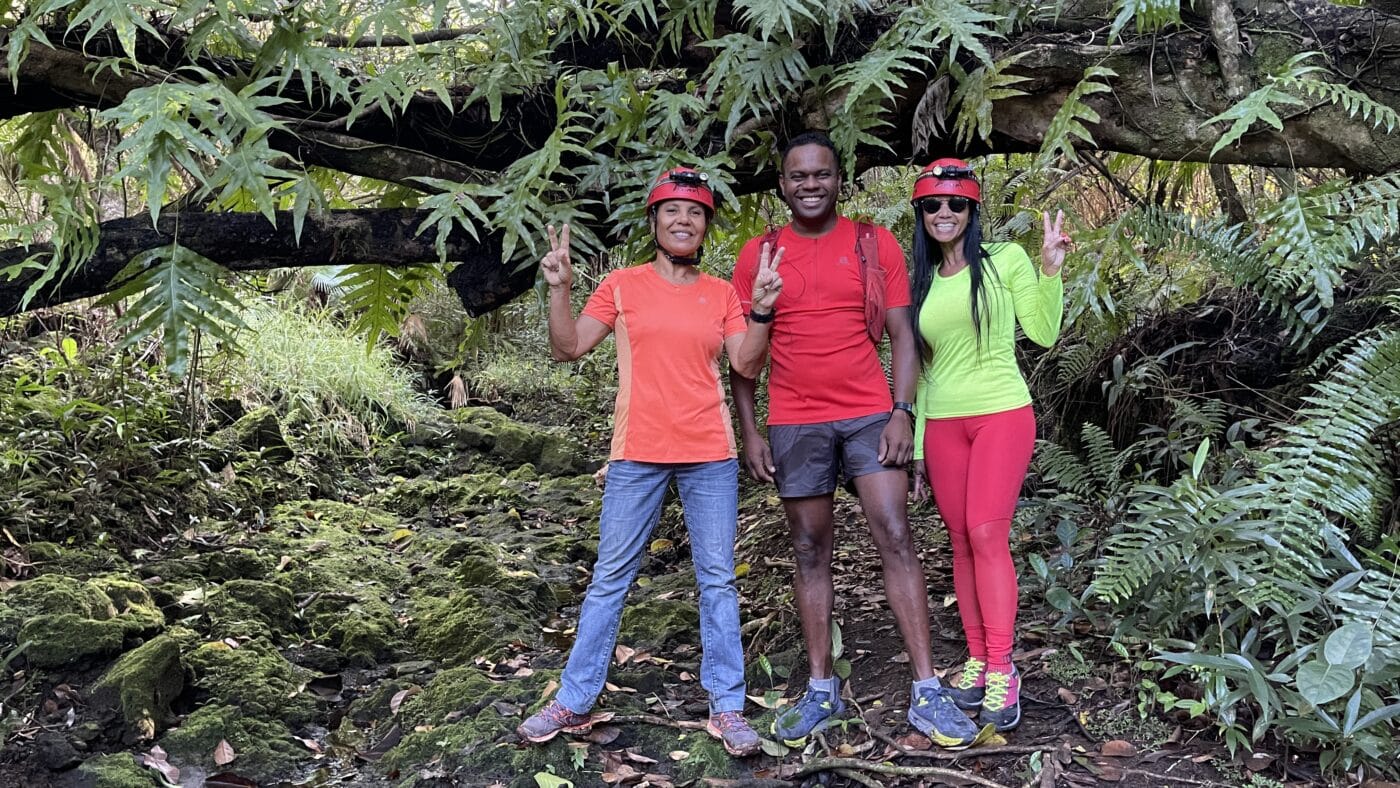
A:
[544,724]
[733,730]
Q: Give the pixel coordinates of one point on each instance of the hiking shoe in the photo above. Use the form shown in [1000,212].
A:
[1002,705]
[935,715]
[544,724]
[733,730]
[811,714]
[967,691]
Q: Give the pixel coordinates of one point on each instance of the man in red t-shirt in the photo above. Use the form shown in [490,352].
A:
[830,416]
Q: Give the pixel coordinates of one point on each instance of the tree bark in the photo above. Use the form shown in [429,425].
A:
[247,242]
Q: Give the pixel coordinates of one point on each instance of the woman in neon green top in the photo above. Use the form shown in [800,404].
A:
[975,423]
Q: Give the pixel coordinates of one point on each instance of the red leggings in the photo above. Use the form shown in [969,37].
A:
[976,465]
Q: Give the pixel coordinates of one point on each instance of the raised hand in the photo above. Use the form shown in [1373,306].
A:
[557,271]
[767,284]
[1056,243]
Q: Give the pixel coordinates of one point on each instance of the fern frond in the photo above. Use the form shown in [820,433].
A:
[976,94]
[1258,105]
[933,22]
[177,291]
[765,18]
[752,77]
[1150,15]
[379,296]
[1069,120]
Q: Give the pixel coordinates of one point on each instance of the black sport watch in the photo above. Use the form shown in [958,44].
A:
[907,407]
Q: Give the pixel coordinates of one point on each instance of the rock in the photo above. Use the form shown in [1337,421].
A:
[119,770]
[470,624]
[69,639]
[54,752]
[257,431]
[254,677]
[264,745]
[654,624]
[143,684]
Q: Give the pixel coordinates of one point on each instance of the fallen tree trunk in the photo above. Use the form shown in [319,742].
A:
[248,242]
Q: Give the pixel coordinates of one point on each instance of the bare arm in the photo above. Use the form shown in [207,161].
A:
[569,338]
[748,356]
[758,457]
[897,440]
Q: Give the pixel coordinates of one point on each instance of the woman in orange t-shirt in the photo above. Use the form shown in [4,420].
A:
[670,423]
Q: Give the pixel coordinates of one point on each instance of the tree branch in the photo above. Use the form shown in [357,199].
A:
[426,37]
[248,242]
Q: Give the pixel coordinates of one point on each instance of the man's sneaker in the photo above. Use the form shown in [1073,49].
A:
[811,714]
[544,724]
[967,691]
[731,728]
[935,715]
[1002,705]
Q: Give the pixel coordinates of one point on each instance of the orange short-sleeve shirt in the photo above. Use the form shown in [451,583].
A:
[670,400]
[824,366]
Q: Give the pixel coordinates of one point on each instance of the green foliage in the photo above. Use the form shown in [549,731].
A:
[178,292]
[977,92]
[1283,88]
[1150,16]
[321,380]
[1069,120]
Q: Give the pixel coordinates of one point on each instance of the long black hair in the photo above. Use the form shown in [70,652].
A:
[928,256]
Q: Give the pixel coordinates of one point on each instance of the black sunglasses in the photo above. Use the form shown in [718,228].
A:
[935,204]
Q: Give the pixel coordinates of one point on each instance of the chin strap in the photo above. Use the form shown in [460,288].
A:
[678,260]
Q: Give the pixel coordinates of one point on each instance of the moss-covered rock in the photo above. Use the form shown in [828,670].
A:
[263,745]
[69,639]
[479,563]
[133,605]
[234,563]
[254,677]
[470,624]
[467,721]
[51,594]
[267,602]
[653,624]
[119,770]
[365,631]
[142,685]
[257,431]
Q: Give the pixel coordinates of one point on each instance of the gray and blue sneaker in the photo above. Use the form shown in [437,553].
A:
[812,713]
[936,716]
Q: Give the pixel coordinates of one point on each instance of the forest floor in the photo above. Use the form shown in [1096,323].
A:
[398,636]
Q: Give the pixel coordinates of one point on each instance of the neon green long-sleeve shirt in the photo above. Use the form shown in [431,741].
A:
[964,379]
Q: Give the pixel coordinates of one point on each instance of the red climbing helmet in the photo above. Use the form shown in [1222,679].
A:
[682,183]
[952,177]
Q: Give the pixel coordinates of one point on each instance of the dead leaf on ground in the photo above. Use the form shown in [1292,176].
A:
[155,759]
[1118,748]
[310,744]
[914,741]
[1110,774]
[902,658]
[401,696]
[506,709]
[636,757]
[1068,697]
[1259,761]
[677,755]
[622,773]
[223,753]
[623,653]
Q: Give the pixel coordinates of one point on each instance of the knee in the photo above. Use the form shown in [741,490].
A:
[892,537]
[991,540]
[812,554]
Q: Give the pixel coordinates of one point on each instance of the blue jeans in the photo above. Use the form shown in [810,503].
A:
[632,503]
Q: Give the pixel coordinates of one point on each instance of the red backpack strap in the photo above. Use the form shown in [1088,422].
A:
[872,280]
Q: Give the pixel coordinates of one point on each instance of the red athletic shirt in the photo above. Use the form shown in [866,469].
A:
[670,401]
[824,366]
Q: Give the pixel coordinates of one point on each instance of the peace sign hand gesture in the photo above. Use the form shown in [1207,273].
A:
[1055,245]
[557,271]
[767,284]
